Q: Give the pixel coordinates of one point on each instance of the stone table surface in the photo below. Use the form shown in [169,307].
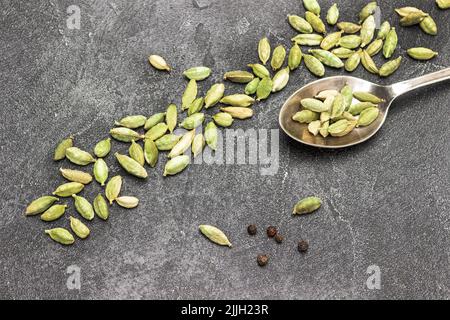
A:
[385,203]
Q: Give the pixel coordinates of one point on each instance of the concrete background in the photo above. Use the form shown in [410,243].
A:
[386,202]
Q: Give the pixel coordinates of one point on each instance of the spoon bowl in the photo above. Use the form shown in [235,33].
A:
[300,133]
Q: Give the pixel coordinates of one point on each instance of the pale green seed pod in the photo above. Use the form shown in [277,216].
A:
[151,153]
[132,122]
[238,100]
[196,106]
[313,127]
[338,106]
[305,116]
[264,89]
[238,112]
[60,151]
[197,73]
[68,189]
[264,50]
[167,142]
[403,12]
[182,145]
[189,94]
[338,127]
[359,107]
[214,94]
[367,11]
[136,153]
[171,117]
[101,207]
[343,53]
[79,228]
[322,95]
[154,120]
[223,119]
[347,94]
[251,87]
[324,129]
[238,76]
[421,53]
[131,166]
[368,63]
[113,188]
[353,62]
[390,44]
[83,207]
[176,165]
[428,25]
[101,171]
[127,202]
[158,62]
[40,205]
[349,128]
[300,24]
[390,67]
[125,134]
[367,31]
[280,79]
[76,176]
[443,4]
[375,47]
[295,57]
[313,105]
[314,65]
[61,236]
[198,144]
[331,40]
[367,116]
[348,27]
[103,148]
[312,5]
[350,42]
[327,58]
[412,19]
[307,205]
[211,135]
[259,70]
[156,132]
[308,39]
[325,116]
[215,235]
[367,97]
[333,15]
[54,212]
[384,30]
[79,157]
[315,22]
[193,121]
[278,57]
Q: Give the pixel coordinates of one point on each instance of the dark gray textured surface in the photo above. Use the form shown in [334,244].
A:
[386,202]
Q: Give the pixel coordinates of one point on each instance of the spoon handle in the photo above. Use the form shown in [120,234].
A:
[400,88]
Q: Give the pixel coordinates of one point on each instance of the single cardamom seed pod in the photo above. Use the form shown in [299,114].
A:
[54,212]
[125,134]
[428,25]
[167,142]
[182,145]
[238,100]
[76,176]
[367,11]
[193,121]
[158,62]
[367,30]
[403,12]
[295,57]
[390,67]
[211,135]
[338,106]
[103,148]
[368,63]
[127,202]
[197,73]
[131,166]
[259,70]
[136,153]
[60,151]
[312,5]
[113,188]
[280,80]
[153,121]
[83,207]
[308,39]
[342,52]
[198,144]
[238,112]
[324,129]
[171,117]
[367,97]
[223,119]
[375,47]
[307,205]
[313,105]
[333,15]
[350,126]
[156,132]
[347,94]
[264,50]
[348,27]
[421,53]
[68,189]
[252,86]
[305,116]
[264,89]
[40,205]
[151,153]
[299,24]
[132,122]
[384,30]
[338,127]
[176,165]
[214,94]
[328,103]
[350,42]
[322,95]
[390,44]
[314,65]
[327,58]
[315,22]
[367,116]
[79,228]
[278,57]
[101,207]
[443,4]
[238,76]
[196,106]
[189,94]
[353,61]
[79,157]
[331,40]
[61,236]
[314,126]
[412,19]
[101,171]
[357,108]
[215,235]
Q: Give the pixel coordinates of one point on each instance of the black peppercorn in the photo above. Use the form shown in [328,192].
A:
[262,260]
[251,229]
[271,231]
[279,238]
[303,246]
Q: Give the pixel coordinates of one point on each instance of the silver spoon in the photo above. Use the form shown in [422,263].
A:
[300,132]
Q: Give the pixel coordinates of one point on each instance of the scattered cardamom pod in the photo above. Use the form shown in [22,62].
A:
[315,22]
[367,116]
[305,116]
[136,153]
[349,27]
[197,73]
[176,165]
[390,67]
[252,86]
[76,176]
[390,44]
[353,61]
[264,89]
[189,94]
[428,25]
[215,235]
[101,207]
[300,24]
[153,121]
[101,171]
[196,106]
[182,145]
[79,228]
[278,57]
[357,108]
[151,153]
[384,30]
[61,236]
[238,100]
[307,205]
[421,53]
[314,65]
[367,11]
[83,207]
[103,148]
[238,76]
[367,97]
[331,40]
[375,47]
[79,157]
[338,106]
[259,70]
[113,188]
[125,134]
[312,5]
[338,127]
[333,15]
[214,94]
[198,144]
[327,58]
[403,12]
[367,31]
[131,166]
[313,105]
[264,50]
[40,205]
[280,79]
[171,117]
[368,63]
[156,132]
[238,112]
[346,130]
[211,135]
[60,151]
[167,142]
[54,212]
[132,122]
[412,19]
[127,202]
[443,4]
[158,62]
[350,42]
[308,39]
[223,119]
[193,121]
[68,189]
[295,57]
[343,53]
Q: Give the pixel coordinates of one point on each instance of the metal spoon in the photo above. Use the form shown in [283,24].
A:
[300,132]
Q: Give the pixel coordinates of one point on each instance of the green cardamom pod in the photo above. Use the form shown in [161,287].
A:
[322,95]
[189,94]
[357,108]
[421,53]
[127,202]
[79,157]
[368,63]
[375,47]
[403,12]
[305,116]
[76,176]
[428,25]
[215,235]
[238,76]
[443,4]
[197,73]
[103,148]
[193,121]
[211,135]
[60,151]
[295,57]
[223,119]
[278,57]
[252,86]
[196,106]
[158,62]
[313,105]
[338,127]
[308,39]
[113,188]
[338,106]
[182,145]
[350,126]
[83,207]
[312,5]
[413,19]
[300,24]
[368,116]
[167,142]
[325,116]
[238,100]
[331,40]
[79,228]
[40,205]
[157,131]
[264,89]
[347,94]
[327,58]
[367,11]
[307,205]
[390,67]
[324,129]
[348,27]
[280,79]
[171,117]
[333,15]
[238,112]
[315,22]
[214,94]
[54,212]
[68,189]
[136,153]
[367,31]
[154,120]
[353,61]
[264,50]
[131,166]
[350,42]
[132,122]
[176,165]
[367,97]
[101,207]
[390,44]
[342,52]
[101,171]
[125,134]
[384,30]
[61,236]
[328,104]
[198,144]
[314,126]
[314,65]
[151,153]
[259,70]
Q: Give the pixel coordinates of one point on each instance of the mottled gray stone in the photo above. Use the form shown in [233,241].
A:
[386,202]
